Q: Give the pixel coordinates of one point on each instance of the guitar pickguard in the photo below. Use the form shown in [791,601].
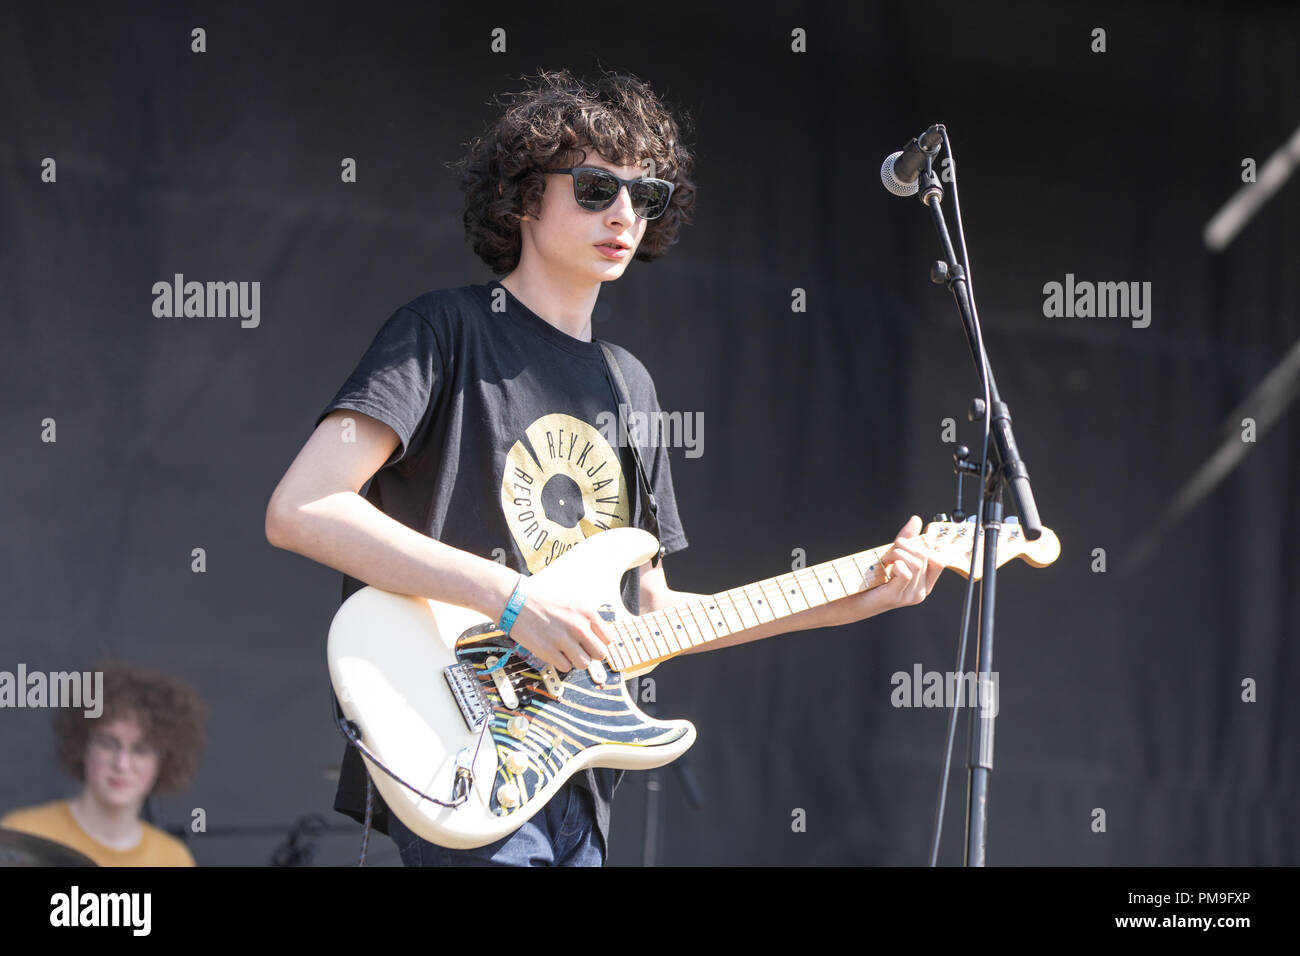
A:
[536,739]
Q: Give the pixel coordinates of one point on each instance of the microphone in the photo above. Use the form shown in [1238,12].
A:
[900,170]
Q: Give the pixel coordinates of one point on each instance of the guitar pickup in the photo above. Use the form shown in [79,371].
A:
[554,686]
[504,687]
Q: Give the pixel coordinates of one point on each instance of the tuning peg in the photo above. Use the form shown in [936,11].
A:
[941,518]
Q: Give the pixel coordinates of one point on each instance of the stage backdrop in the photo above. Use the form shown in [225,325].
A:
[1145,716]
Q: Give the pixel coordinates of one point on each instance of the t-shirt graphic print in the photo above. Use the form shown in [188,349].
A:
[562,484]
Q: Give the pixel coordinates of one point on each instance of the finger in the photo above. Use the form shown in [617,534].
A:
[603,630]
[911,529]
[556,658]
[915,546]
[592,647]
[574,656]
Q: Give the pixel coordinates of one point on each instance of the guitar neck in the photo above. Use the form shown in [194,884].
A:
[659,635]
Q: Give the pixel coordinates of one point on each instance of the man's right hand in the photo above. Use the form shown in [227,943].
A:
[561,629]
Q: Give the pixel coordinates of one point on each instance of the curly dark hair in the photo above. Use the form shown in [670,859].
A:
[555,123]
[171,716]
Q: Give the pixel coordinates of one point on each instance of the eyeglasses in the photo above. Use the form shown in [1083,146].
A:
[596,189]
[111,746]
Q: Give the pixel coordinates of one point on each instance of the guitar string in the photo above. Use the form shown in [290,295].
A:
[627,630]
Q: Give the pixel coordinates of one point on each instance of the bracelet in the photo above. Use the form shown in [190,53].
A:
[513,606]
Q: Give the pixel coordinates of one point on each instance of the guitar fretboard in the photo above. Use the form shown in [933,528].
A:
[658,635]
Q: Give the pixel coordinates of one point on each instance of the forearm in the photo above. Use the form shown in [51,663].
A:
[346,532]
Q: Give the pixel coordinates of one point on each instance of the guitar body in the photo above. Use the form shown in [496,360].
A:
[389,660]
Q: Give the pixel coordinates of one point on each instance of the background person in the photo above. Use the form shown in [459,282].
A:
[147,740]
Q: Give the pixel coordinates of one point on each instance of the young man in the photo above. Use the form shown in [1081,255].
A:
[475,409]
[147,738]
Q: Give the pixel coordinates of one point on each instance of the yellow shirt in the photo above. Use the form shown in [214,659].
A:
[54,821]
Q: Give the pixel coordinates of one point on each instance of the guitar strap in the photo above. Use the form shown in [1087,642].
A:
[622,399]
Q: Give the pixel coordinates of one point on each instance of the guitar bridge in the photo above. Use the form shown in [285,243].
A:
[469,695]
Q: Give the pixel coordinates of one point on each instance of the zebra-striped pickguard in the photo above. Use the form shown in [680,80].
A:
[585,715]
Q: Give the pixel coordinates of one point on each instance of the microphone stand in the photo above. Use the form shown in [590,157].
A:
[653,816]
[1004,470]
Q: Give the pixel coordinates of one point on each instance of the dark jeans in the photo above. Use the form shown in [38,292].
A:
[563,833]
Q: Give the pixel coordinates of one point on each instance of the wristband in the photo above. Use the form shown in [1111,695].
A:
[513,606]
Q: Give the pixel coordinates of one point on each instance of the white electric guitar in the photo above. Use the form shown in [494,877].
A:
[465,740]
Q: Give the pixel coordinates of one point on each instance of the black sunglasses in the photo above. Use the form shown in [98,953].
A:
[596,189]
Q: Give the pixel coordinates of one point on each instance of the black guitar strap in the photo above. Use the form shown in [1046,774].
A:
[622,399]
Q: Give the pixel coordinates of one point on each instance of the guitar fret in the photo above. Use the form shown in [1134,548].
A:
[830,582]
[636,649]
[666,635]
[618,657]
[658,643]
[743,608]
[701,617]
[613,652]
[662,620]
[872,573]
[772,591]
[809,587]
[712,609]
[633,633]
[791,592]
[864,571]
[811,575]
[758,602]
[728,609]
[685,625]
[624,644]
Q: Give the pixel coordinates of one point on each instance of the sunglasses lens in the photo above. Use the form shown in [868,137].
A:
[596,189]
[650,198]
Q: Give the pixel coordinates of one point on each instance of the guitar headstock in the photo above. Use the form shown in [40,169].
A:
[950,541]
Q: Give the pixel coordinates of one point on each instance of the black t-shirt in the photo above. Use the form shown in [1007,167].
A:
[509,448]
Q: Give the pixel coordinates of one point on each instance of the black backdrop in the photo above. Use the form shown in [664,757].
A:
[822,429]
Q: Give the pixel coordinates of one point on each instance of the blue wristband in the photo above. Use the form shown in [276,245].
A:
[514,605]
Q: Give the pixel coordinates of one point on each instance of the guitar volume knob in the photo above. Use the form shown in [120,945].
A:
[516,762]
[508,795]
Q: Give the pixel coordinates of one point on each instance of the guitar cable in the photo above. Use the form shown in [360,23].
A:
[460,789]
